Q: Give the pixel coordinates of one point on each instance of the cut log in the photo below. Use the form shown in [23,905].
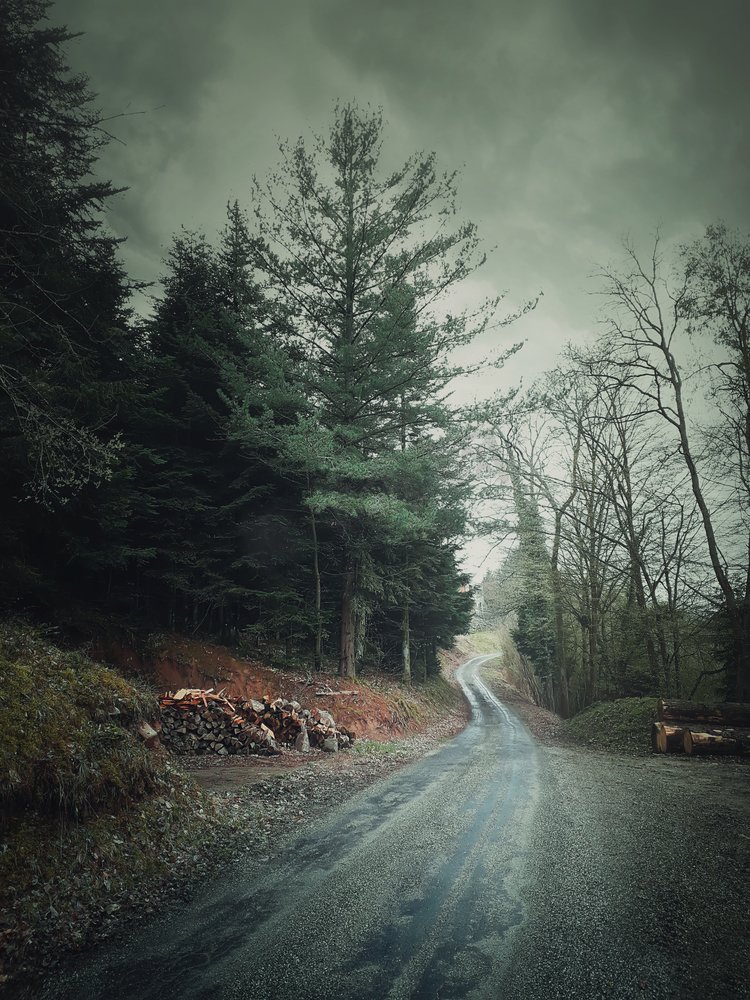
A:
[727,714]
[666,738]
[716,740]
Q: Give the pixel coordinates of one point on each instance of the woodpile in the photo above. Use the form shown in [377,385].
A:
[726,714]
[695,728]
[198,721]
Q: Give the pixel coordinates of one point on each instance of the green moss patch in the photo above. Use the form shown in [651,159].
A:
[90,820]
[67,744]
[623,725]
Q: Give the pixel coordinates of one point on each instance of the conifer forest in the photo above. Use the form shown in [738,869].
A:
[270,451]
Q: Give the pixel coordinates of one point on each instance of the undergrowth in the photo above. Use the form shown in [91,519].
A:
[87,813]
[621,725]
[66,745]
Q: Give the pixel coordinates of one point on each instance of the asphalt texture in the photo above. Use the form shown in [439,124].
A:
[493,868]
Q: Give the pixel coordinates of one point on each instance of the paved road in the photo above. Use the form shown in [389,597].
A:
[493,868]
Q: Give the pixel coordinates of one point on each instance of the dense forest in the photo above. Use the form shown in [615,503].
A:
[270,454]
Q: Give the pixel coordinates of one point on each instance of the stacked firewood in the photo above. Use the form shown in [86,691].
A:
[198,721]
[693,728]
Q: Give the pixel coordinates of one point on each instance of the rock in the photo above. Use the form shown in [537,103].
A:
[326,718]
[257,706]
[302,743]
[149,735]
[330,744]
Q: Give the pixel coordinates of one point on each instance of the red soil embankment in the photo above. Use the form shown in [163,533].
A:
[378,709]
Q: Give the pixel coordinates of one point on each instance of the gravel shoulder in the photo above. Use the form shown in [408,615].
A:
[269,800]
[258,807]
[637,872]
[637,880]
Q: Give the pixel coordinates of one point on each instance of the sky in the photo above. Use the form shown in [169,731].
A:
[574,123]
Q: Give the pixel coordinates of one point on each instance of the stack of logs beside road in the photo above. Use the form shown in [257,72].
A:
[198,721]
[694,728]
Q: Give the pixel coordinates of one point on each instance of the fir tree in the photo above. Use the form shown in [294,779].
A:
[69,368]
[357,262]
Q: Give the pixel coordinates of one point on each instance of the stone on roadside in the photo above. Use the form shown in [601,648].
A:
[302,743]
[330,744]
[149,735]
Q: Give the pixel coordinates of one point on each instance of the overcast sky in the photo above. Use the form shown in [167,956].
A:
[574,122]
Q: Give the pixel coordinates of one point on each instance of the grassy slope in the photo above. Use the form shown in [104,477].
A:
[87,815]
[623,725]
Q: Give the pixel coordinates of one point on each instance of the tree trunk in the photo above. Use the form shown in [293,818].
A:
[666,738]
[699,738]
[716,740]
[640,599]
[563,706]
[405,651]
[738,610]
[431,658]
[727,714]
[360,631]
[741,649]
[676,654]
[347,660]
[421,662]
[317,656]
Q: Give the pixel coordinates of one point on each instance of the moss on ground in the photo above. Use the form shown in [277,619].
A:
[66,739]
[621,725]
[88,815]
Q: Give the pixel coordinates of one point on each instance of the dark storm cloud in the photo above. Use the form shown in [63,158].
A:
[590,115]
[151,65]
[575,120]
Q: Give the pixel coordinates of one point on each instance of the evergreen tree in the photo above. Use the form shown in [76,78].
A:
[357,262]
[69,360]
[199,488]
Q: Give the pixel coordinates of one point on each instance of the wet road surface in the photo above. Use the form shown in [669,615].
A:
[493,868]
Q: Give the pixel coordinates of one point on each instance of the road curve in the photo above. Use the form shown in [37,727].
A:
[411,889]
[493,868]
